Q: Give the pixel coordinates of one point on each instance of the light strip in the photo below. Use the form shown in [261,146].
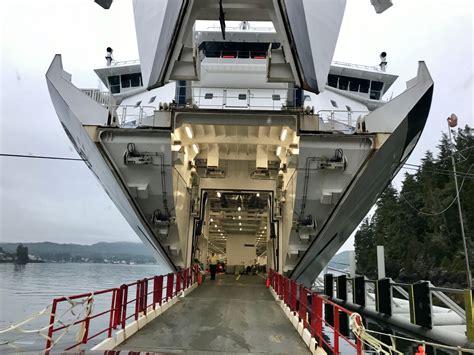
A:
[196,148]
[189,132]
[283,134]
[278,151]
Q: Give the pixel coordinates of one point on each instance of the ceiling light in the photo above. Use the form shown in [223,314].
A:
[176,147]
[278,151]
[240,223]
[239,208]
[211,220]
[221,233]
[265,227]
[240,217]
[218,194]
[196,148]
[283,134]
[233,217]
[240,229]
[218,230]
[215,225]
[189,132]
[258,194]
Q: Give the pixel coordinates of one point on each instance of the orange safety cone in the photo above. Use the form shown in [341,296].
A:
[421,350]
[268,282]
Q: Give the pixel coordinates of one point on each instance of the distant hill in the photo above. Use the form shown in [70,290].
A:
[340,261]
[102,249]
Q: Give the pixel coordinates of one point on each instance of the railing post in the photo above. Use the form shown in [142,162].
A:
[144,295]
[113,305]
[137,299]
[49,342]
[185,279]
[169,287]
[302,308]
[87,324]
[317,317]
[124,305]
[179,277]
[336,330]
[294,289]
[469,307]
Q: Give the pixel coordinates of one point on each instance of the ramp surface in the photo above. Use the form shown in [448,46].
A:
[225,316]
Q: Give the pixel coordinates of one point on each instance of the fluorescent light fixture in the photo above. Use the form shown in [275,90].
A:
[218,194]
[278,151]
[189,132]
[176,147]
[196,148]
[239,209]
[284,132]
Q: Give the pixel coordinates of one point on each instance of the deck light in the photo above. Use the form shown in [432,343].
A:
[189,132]
[284,132]
[218,194]
[239,209]
[215,225]
[240,223]
[211,220]
[258,194]
[278,151]
[240,229]
[196,148]
[218,230]
[240,217]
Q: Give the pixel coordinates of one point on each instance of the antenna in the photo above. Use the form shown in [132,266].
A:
[383,61]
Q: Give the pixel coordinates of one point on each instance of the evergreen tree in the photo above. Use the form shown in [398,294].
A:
[21,254]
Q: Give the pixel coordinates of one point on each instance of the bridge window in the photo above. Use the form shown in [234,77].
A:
[138,103]
[334,103]
[114,84]
[152,99]
[376,90]
[208,96]
[276,97]
[348,83]
[131,80]
[242,97]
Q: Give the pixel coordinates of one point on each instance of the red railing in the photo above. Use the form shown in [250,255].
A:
[119,302]
[314,310]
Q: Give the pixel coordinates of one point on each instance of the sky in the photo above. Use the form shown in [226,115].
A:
[62,201]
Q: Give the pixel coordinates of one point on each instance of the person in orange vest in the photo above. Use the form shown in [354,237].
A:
[421,350]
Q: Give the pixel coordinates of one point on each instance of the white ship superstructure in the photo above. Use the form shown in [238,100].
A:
[242,139]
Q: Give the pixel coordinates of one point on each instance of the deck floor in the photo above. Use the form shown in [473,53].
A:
[225,316]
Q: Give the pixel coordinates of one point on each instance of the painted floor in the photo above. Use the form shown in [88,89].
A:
[225,316]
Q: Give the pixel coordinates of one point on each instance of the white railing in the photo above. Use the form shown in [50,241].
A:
[125,62]
[243,99]
[131,115]
[339,120]
[358,66]
[102,97]
[237,28]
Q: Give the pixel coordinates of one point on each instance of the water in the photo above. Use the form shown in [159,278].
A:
[27,289]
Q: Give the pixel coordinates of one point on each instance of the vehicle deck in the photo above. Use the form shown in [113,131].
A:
[227,316]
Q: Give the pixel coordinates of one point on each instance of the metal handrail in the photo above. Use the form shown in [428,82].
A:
[358,66]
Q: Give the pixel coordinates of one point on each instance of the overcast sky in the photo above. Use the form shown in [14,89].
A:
[61,201]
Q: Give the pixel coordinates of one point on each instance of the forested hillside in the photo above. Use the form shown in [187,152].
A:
[419,225]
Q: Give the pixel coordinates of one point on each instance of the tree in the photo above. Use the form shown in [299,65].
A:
[21,254]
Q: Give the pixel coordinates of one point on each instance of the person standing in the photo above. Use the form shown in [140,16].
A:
[213,266]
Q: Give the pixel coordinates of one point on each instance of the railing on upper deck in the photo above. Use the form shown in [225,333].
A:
[229,54]
[359,66]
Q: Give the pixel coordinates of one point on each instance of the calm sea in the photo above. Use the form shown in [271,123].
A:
[26,290]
